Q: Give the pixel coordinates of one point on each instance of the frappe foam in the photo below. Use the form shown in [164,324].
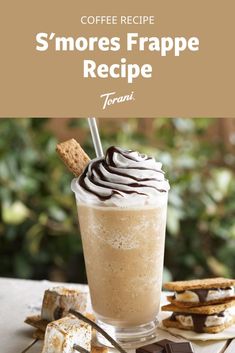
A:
[122,178]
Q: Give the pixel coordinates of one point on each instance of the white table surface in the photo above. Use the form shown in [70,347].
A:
[21,298]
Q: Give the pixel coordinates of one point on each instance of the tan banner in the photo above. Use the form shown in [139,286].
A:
[123,59]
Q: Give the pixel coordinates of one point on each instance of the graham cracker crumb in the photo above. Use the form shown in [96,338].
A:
[73,156]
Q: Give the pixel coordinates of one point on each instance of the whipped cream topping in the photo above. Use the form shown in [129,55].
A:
[212,294]
[210,320]
[122,178]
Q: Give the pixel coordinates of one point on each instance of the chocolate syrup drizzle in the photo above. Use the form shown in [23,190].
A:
[109,165]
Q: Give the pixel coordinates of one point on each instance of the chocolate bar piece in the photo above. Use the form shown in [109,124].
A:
[156,347]
[151,348]
[163,343]
[184,347]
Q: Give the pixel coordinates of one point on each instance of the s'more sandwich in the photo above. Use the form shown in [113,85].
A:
[201,292]
[202,319]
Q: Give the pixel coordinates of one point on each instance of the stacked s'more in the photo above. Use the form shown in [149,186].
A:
[203,306]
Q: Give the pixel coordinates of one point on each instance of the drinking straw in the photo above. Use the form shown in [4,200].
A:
[80,349]
[29,346]
[95,137]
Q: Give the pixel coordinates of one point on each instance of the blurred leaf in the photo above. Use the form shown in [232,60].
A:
[22,267]
[15,213]
[57,213]
[173,220]
[218,269]
[167,277]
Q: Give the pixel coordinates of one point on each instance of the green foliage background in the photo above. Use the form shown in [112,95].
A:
[39,236]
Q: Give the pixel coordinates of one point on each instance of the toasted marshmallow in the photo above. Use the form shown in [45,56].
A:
[211,320]
[59,300]
[61,335]
[187,296]
[220,293]
[185,320]
[213,294]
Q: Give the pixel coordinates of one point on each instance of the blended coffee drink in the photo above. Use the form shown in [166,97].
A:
[122,204]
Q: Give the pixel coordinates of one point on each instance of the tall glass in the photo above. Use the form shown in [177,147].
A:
[124,250]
